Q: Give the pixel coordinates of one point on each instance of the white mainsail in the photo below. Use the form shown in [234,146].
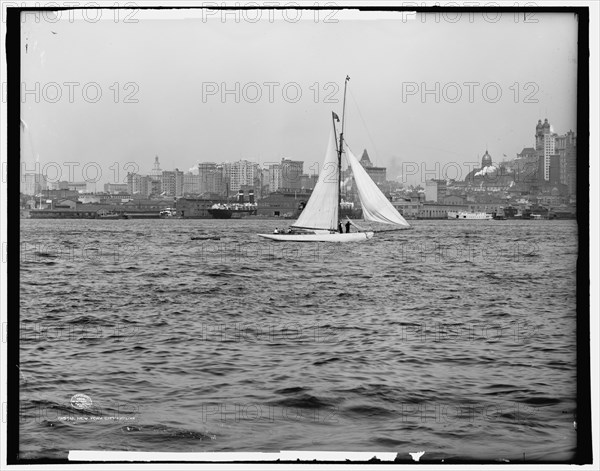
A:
[321,210]
[375,206]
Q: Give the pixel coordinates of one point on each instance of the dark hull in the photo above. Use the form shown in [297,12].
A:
[220,213]
[231,213]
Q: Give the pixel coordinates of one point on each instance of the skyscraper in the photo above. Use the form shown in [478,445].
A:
[286,175]
[566,148]
[137,184]
[191,184]
[291,172]
[274,171]
[211,178]
[172,182]
[557,156]
[242,173]
[32,183]
[545,141]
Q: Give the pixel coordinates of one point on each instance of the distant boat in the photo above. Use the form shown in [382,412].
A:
[105,214]
[167,213]
[319,221]
[220,213]
[227,211]
[142,215]
[466,215]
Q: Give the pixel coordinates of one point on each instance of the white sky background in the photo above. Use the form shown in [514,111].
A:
[170,59]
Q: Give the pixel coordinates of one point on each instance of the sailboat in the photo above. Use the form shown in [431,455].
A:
[319,221]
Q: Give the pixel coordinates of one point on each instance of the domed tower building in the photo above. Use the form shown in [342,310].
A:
[486,160]
[155,180]
[156,170]
[487,171]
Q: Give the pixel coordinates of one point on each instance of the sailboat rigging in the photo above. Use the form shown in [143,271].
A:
[319,220]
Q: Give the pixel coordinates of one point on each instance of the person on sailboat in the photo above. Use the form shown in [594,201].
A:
[276,231]
[341,231]
[347,227]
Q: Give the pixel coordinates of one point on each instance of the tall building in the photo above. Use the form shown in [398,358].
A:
[212,179]
[435,190]
[137,184]
[222,180]
[33,183]
[557,156]
[365,161]
[377,174]
[171,182]
[167,183]
[154,187]
[566,148]
[545,141]
[178,182]
[191,184]
[143,185]
[286,175]
[291,173]
[206,171]
[308,182]
[554,175]
[241,173]
[274,174]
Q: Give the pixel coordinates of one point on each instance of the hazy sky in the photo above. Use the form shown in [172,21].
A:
[177,68]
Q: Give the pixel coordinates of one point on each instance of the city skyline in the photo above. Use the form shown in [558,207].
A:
[422,175]
[402,102]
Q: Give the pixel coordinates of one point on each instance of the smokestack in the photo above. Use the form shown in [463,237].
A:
[251,196]
[241,196]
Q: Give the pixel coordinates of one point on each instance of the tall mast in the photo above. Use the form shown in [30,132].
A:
[341,149]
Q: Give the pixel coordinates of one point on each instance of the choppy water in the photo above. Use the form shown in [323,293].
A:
[457,338]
